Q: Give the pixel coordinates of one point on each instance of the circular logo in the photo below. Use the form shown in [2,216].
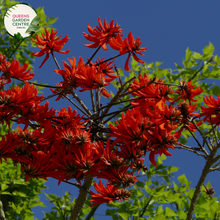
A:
[21,20]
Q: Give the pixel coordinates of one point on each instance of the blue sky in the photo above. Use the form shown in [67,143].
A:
[167,28]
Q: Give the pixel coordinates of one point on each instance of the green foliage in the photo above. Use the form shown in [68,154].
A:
[157,198]
[63,206]
[18,197]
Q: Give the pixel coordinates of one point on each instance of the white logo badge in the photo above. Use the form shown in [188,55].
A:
[21,20]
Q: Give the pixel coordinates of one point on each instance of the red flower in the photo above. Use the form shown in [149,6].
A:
[187,92]
[40,166]
[89,78]
[19,101]
[161,141]
[131,127]
[49,43]
[14,70]
[102,34]
[212,109]
[106,68]
[8,145]
[129,45]
[69,73]
[109,194]
[109,158]
[118,177]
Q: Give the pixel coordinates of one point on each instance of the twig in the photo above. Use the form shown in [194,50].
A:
[92,98]
[94,54]
[55,60]
[80,102]
[204,138]
[144,209]
[119,76]
[16,48]
[116,97]
[211,59]
[52,95]
[117,112]
[203,149]
[108,59]
[94,208]
[76,105]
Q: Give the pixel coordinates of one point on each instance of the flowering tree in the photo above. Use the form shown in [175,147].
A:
[160,108]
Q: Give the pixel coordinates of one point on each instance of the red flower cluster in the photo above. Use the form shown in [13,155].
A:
[110,34]
[87,77]
[102,34]
[14,70]
[49,43]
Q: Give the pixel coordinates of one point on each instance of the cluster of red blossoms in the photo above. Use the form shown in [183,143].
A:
[64,145]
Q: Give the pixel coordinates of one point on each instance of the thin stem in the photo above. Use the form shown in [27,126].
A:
[119,77]
[94,208]
[203,149]
[117,112]
[108,59]
[201,133]
[55,60]
[61,211]
[189,149]
[94,54]
[211,59]
[15,48]
[92,98]
[111,113]
[52,95]
[76,105]
[81,102]
[123,94]
[168,84]
[215,136]
[144,209]
[104,113]
[40,84]
[122,101]
[97,101]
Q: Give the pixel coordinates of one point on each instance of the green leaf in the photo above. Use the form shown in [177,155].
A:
[124,215]
[208,49]
[197,56]
[215,90]
[169,212]
[217,59]
[52,20]
[18,36]
[158,63]
[188,54]
[4,186]
[159,210]
[183,179]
